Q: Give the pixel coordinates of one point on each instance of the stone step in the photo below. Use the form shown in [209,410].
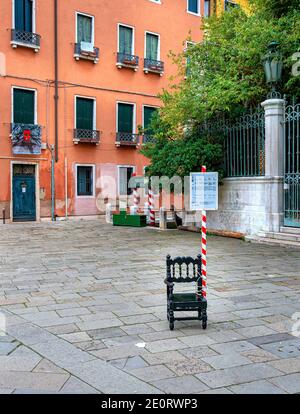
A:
[280,236]
[273,241]
[290,230]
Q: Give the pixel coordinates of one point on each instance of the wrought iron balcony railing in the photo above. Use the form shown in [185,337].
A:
[148,139]
[89,136]
[26,39]
[127,61]
[81,53]
[154,66]
[127,138]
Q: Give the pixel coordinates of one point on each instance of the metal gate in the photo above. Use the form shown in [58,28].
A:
[292,166]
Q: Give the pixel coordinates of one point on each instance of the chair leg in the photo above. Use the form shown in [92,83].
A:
[204,319]
[171,320]
[199,314]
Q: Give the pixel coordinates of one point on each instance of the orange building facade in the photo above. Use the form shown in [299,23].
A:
[79,83]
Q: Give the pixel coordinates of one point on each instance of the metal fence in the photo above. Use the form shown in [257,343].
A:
[292,164]
[244,143]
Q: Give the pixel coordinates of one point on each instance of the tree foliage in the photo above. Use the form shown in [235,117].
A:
[225,75]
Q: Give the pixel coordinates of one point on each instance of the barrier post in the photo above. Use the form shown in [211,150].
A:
[204,248]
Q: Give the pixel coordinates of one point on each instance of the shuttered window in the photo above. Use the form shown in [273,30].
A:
[23,15]
[148,114]
[24,106]
[193,6]
[84,29]
[207,8]
[85,113]
[152,42]
[125,173]
[125,118]
[126,40]
[85,181]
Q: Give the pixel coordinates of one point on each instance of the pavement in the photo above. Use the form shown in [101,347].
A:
[84,305]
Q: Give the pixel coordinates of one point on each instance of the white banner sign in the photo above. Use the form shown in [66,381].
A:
[204,191]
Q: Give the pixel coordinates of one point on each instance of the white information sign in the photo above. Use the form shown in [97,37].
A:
[204,191]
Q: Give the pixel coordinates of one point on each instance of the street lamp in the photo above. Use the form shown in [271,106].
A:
[273,66]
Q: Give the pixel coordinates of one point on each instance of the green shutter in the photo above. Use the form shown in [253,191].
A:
[84,113]
[125,173]
[23,15]
[151,46]
[125,118]
[125,40]
[84,181]
[23,106]
[129,175]
[84,28]
[148,114]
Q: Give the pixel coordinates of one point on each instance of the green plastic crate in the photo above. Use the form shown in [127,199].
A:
[124,219]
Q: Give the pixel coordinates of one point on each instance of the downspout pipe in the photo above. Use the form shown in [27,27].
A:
[52,182]
[56,94]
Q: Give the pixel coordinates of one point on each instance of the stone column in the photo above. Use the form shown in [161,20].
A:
[274,164]
[162,219]
[108,214]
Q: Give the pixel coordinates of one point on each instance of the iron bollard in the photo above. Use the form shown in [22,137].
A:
[3,215]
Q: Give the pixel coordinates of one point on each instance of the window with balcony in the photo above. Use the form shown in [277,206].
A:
[84,46]
[85,125]
[25,133]
[193,6]
[126,125]
[152,61]
[148,113]
[85,181]
[125,56]
[24,25]
[125,174]
[23,106]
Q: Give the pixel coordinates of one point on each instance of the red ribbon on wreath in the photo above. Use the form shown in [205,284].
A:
[27,135]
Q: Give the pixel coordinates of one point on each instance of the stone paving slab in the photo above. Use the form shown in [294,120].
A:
[238,375]
[288,366]
[186,384]
[165,345]
[150,374]
[290,383]
[189,366]
[42,381]
[7,347]
[77,304]
[227,361]
[257,387]
[75,386]
[284,349]
[269,339]
[18,363]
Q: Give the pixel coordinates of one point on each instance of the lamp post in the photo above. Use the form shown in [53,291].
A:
[273,66]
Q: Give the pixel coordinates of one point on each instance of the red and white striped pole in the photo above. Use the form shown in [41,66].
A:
[135,196]
[151,207]
[204,248]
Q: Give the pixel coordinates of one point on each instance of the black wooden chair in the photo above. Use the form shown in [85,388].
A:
[185,270]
